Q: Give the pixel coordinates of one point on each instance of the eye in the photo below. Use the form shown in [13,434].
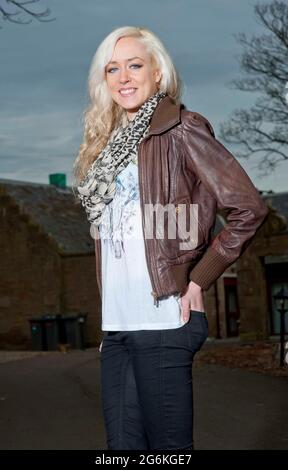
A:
[137,65]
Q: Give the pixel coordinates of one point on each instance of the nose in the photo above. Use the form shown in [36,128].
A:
[124,75]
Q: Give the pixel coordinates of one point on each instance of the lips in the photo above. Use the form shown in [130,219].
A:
[127,91]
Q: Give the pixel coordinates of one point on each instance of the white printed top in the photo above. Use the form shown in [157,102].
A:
[127,303]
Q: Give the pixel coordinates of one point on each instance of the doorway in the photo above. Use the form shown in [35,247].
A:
[231,306]
[276,276]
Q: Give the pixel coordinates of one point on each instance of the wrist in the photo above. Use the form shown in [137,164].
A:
[195,286]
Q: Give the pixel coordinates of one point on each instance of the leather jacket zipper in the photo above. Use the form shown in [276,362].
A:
[154,292]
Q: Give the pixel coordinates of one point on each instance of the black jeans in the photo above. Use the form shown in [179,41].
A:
[146,386]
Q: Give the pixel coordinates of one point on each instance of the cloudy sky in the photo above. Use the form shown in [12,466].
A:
[44,68]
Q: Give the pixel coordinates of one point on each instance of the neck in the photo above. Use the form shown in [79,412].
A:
[130,117]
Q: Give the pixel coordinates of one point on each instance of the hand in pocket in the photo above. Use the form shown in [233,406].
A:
[191,300]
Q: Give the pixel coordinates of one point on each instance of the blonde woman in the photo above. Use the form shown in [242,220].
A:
[143,151]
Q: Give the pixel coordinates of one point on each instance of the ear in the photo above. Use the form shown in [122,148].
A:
[158,76]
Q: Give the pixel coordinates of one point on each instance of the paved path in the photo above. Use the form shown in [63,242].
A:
[52,401]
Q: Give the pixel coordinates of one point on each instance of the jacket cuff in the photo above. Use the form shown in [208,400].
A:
[209,268]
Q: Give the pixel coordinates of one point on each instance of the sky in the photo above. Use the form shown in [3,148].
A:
[44,70]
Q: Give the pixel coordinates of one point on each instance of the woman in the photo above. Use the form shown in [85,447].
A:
[143,152]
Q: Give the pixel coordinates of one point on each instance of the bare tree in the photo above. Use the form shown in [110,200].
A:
[263,129]
[20,7]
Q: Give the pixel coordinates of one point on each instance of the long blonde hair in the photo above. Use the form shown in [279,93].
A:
[103,115]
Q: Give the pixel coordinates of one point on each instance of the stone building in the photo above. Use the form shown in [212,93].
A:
[47,260]
[262,272]
[241,302]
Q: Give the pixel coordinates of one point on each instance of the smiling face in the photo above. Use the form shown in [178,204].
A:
[130,75]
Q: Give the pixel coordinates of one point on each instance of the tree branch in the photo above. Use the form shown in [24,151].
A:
[21,8]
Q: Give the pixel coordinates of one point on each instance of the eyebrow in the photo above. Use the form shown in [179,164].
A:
[132,58]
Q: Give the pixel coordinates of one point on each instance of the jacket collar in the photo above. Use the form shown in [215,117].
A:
[165,116]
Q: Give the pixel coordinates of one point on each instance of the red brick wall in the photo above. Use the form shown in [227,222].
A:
[29,280]
[80,293]
[36,280]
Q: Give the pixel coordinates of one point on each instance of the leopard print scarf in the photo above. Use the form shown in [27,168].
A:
[98,187]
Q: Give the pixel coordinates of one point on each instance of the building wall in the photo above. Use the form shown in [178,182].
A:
[35,280]
[252,281]
[30,277]
[215,306]
[80,293]
[252,297]
[270,245]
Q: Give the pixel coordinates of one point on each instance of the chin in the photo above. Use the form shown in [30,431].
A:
[131,103]
[134,107]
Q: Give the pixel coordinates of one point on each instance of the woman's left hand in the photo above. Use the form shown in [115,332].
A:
[191,300]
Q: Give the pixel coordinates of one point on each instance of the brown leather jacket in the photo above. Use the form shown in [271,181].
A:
[181,162]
